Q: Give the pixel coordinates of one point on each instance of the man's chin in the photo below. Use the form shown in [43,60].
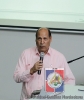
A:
[43,50]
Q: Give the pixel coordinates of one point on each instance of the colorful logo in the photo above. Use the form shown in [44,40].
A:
[54,80]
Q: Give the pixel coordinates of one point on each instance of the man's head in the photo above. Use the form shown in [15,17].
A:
[43,39]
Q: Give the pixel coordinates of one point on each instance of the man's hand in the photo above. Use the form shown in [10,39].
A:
[37,66]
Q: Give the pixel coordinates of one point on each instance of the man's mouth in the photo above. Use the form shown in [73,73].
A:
[42,46]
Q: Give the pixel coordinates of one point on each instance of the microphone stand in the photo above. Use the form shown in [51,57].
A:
[75,59]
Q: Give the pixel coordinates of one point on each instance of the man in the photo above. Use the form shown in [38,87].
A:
[29,64]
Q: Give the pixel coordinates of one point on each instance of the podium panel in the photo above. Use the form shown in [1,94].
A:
[70,92]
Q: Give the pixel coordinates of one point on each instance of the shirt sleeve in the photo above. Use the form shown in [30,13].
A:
[68,75]
[21,74]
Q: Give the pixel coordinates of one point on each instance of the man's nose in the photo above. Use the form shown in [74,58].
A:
[42,41]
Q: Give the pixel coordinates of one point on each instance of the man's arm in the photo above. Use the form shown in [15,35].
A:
[68,75]
[21,74]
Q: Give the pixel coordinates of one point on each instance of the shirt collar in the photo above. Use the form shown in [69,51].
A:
[49,51]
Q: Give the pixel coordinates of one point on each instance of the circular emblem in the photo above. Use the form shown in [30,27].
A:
[54,80]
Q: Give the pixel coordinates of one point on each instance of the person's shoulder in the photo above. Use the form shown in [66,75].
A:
[56,52]
[29,50]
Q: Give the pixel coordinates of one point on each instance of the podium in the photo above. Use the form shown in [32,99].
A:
[71,92]
[42,94]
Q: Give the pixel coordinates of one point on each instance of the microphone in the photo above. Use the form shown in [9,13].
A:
[41,58]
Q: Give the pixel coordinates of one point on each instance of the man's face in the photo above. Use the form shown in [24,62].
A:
[43,40]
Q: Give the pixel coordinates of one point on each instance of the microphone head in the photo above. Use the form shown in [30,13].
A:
[42,54]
